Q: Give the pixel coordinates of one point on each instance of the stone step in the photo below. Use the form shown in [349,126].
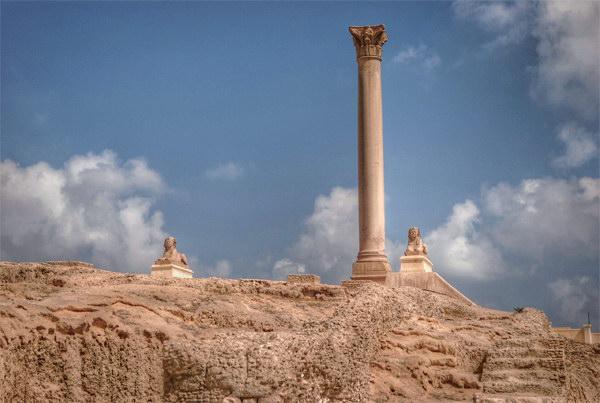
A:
[494,363]
[532,355]
[552,344]
[515,342]
[543,375]
[521,386]
[512,398]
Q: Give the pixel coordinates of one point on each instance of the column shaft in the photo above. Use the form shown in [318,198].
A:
[371,194]
[371,262]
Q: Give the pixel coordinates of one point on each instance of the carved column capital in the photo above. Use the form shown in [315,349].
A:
[369,40]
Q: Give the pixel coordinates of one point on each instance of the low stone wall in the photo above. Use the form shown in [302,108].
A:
[582,335]
[570,333]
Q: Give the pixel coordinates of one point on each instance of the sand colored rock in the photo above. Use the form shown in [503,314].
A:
[71,332]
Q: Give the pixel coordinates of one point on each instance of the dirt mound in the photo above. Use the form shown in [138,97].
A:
[71,332]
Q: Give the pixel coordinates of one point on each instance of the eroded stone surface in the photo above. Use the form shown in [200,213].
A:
[70,332]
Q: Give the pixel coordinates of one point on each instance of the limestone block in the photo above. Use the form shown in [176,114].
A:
[415,264]
[304,278]
[170,270]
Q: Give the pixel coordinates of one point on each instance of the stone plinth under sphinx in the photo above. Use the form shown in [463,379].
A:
[415,264]
[170,270]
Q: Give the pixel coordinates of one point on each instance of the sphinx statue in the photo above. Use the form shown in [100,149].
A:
[415,243]
[171,263]
[171,255]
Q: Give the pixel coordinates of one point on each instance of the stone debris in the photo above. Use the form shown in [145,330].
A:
[304,278]
[71,332]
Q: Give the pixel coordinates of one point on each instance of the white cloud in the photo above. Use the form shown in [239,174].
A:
[569,55]
[580,147]
[228,171]
[568,45]
[456,247]
[93,208]
[329,243]
[544,218]
[283,267]
[576,296]
[419,55]
[532,224]
[508,23]
[221,269]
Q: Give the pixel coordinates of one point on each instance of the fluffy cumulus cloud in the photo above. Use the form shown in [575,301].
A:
[569,55]
[543,219]
[459,248]
[568,45]
[286,266]
[530,233]
[329,242]
[228,171]
[421,56]
[532,223]
[580,146]
[506,22]
[93,208]
[577,296]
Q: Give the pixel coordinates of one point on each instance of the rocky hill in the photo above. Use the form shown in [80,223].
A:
[72,332]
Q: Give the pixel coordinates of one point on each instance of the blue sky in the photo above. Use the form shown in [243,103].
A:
[232,126]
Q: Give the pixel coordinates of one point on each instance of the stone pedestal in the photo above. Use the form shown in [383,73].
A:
[415,264]
[371,262]
[375,271]
[170,270]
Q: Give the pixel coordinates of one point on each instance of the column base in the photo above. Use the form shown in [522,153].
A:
[170,271]
[374,271]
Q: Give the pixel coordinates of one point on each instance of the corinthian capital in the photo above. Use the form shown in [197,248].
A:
[369,40]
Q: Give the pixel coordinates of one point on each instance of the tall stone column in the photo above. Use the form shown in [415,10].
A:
[371,262]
